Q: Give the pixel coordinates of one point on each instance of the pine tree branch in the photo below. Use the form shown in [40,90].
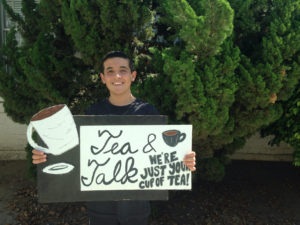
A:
[15,17]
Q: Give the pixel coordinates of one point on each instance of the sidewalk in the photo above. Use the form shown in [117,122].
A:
[12,176]
[252,193]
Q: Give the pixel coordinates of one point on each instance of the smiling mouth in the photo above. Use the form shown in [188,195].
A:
[117,83]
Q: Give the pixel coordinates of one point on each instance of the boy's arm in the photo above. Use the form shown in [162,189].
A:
[190,161]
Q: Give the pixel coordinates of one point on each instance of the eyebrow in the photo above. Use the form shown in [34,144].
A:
[123,67]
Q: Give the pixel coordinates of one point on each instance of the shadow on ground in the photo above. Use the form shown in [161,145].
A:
[258,193]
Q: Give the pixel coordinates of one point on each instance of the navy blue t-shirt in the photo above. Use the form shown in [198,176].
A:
[135,108]
[120,209]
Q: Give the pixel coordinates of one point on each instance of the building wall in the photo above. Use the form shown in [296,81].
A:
[257,148]
[5,21]
[13,141]
[12,137]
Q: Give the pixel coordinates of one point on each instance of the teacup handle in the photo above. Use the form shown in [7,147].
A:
[32,142]
[181,137]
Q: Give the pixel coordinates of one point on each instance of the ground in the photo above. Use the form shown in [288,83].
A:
[258,193]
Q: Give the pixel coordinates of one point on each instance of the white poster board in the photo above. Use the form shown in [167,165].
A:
[134,157]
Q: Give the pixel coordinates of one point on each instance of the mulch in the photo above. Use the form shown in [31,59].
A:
[252,193]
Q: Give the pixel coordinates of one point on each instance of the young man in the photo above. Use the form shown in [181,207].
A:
[118,74]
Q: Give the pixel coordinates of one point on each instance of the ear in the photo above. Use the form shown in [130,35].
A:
[102,78]
[133,76]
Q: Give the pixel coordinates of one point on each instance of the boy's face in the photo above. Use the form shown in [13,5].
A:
[117,76]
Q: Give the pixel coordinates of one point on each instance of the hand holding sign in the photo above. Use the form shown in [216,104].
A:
[190,161]
[38,157]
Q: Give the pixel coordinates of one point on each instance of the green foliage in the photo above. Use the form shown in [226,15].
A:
[98,26]
[32,170]
[218,65]
[203,25]
[211,169]
[43,70]
[222,84]
[55,64]
[268,35]
[13,86]
[265,64]
[287,127]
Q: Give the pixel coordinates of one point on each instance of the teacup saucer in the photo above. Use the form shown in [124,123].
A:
[58,168]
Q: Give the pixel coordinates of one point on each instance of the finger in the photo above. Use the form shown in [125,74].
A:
[38,161]
[189,161]
[192,169]
[190,155]
[38,156]
[37,152]
[190,158]
[190,164]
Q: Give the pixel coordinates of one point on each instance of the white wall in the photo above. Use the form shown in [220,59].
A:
[13,142]
[12,137]
[257,148]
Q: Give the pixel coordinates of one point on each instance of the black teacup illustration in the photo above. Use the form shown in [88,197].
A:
[173,137]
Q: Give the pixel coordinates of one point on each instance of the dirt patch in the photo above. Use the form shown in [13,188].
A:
[251,193]
[12,174]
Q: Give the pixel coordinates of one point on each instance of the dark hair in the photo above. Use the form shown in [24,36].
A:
[115,54]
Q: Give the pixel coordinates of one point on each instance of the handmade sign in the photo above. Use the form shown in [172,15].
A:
[134,157]
[119,157]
